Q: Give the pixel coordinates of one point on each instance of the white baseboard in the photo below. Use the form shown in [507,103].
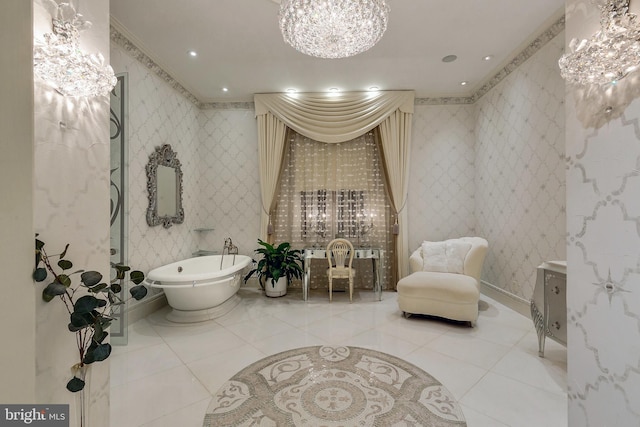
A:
[514,302]
[143,309]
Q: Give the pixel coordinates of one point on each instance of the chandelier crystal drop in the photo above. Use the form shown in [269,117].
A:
[59,61]
[609,54]
[333,28]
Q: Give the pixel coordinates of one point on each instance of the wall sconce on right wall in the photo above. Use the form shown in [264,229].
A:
[595,66]
[609,54]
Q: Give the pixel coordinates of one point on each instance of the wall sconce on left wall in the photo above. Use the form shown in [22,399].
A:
[59,61]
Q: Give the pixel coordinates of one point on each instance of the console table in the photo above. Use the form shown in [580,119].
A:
[374,254]
[549,303]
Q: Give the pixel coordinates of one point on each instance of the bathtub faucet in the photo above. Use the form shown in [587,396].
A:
[229,247]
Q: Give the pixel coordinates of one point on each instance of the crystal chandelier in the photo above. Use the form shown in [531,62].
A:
[60,62]
[333,28]
[610,54]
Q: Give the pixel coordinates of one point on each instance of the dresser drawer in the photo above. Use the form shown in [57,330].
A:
[549,305]
[556,305]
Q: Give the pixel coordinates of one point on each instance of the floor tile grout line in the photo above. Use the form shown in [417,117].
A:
[148,423]
[528,384]
[379,320]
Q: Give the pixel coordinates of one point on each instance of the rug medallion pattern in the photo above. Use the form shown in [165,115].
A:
[333,386]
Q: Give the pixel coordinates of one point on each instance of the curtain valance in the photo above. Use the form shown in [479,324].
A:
[338,118]
[334,118]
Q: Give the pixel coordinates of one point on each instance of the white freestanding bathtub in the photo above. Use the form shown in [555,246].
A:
[200,288]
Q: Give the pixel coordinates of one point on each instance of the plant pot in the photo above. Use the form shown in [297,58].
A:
[279,290]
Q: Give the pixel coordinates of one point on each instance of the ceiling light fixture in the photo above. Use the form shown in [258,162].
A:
[487,58]
[193,53]
[609,54]
[374,89]
[333,28]
[60,62]
[224,89]
[449,58]
[464,83]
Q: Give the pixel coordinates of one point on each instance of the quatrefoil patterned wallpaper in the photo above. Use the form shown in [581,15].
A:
[493,168]
[603,247]
[520,171]
[496,169]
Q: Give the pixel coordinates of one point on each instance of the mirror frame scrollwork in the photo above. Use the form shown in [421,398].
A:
[163,156]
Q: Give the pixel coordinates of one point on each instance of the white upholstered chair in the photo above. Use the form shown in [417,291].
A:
[340,257]
[432,289]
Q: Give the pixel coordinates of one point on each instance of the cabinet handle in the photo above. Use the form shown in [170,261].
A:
[556,325]
[556,290]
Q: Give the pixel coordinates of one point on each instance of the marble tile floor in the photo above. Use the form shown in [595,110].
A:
[167,374]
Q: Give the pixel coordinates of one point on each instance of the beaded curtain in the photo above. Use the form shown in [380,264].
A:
[334,190]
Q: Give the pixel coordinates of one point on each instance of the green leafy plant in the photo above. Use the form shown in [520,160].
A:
[90,302]
[276,262]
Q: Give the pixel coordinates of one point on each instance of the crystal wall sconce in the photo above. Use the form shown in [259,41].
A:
[60,62]
[609,54]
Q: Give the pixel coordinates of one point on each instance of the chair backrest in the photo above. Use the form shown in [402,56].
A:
[340,252]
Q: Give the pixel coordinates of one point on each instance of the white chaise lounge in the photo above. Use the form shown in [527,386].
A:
[446,281]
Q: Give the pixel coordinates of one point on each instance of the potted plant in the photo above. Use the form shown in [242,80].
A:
[278,265]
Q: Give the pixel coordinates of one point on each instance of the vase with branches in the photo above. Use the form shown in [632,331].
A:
[89,302]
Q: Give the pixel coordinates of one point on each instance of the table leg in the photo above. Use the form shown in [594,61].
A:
[305,279]
[376,273]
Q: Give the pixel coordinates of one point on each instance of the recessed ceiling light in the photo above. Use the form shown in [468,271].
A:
[487,58]
[464,83]
[374,89]
[449,58]
[334,90]
[291,90]
[193,53]
[224,89]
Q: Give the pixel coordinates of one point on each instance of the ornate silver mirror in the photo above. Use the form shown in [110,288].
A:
[164,183]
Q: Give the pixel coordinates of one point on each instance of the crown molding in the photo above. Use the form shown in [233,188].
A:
[120,36]
[531,49]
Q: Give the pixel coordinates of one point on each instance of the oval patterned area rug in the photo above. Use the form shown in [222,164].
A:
[333,386]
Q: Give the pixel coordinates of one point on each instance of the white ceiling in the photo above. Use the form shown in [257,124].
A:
[240,47]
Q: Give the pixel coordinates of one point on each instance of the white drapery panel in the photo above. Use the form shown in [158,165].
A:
[395,136]
[335,117]
[271,140]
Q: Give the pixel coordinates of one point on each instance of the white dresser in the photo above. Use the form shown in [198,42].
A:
[549,303]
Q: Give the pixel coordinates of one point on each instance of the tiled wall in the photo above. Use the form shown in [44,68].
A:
[603,246]
[520,171]
[494,168]
[441,199]
[158,115]
[229,184]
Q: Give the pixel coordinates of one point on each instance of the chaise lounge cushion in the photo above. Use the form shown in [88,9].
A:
[444,294]
[445,257]
[454,296]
